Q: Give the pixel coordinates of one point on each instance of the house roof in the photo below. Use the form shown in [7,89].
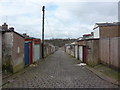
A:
[14,32]
[106,24]
[87,35]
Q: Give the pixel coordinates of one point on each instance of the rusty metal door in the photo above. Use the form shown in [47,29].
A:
[84,54]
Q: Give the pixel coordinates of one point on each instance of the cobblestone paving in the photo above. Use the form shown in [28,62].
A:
[58,70]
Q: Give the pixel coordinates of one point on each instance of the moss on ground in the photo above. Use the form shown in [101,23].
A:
[108,71]
[92,63]
[18,67]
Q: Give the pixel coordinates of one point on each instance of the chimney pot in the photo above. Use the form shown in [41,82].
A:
[4,26]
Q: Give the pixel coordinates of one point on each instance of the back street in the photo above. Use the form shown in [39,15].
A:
[58,70]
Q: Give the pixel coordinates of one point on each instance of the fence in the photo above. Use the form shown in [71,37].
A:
[109,51]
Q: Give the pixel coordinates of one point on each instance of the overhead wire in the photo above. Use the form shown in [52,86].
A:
[51,34]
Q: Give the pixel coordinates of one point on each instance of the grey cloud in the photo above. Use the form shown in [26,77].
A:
[69,20]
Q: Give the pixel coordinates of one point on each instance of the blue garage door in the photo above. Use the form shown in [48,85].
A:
[26,54]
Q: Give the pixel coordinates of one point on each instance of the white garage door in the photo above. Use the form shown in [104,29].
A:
[36,52]
[76,53]
[81,53]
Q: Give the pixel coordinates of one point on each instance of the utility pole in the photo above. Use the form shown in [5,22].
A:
[43,9]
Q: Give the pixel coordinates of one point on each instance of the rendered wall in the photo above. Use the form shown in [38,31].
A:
[92,52]
[7,51]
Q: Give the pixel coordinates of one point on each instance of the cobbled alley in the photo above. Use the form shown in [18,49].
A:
[58,70]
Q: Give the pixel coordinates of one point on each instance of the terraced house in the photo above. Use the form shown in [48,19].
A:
[13,49]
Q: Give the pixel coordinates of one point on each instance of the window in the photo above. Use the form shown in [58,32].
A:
[18,50]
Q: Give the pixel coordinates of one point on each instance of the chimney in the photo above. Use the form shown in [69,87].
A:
[25,35]
[11,28]
[4,26]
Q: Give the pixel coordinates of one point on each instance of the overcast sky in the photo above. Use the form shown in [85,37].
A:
[70,19]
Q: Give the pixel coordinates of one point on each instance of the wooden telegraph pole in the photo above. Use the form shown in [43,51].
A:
[43,9]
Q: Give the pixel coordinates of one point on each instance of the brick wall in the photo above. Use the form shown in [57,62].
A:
[18,52]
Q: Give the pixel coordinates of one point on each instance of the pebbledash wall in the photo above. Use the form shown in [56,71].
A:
[13,51]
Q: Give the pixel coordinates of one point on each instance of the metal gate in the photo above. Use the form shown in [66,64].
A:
[84,54]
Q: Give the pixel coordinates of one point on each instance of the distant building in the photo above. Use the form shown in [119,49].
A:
[13,49]
[87,36]
[80,38]
[107,30]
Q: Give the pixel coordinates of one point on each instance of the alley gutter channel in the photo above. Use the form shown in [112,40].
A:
[103,76]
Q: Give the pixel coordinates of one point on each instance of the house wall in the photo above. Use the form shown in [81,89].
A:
[18,52]
[109,51]
[0,58]
[96,33]
[109,31]
[0,50]
[7,51]
[92,52]
[119,52]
